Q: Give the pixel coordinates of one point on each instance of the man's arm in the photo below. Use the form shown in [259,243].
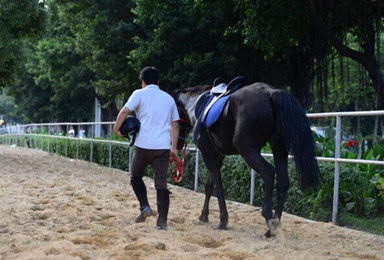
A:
[123,114]
[175,136]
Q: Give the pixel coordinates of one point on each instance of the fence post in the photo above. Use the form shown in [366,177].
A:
[110,145]
[57,139]
[35,140]
[66,142]
[91,151]
[91,136]
[77,146]
[48,141]
[252,196]
[41,137]
[30,137]
[130,158]
[196,169]
[337,171]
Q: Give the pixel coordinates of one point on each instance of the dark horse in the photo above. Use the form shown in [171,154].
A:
[254,115]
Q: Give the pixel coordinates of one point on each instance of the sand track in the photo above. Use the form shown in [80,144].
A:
[57,208]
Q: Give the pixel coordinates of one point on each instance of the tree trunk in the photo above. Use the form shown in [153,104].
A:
[367,59]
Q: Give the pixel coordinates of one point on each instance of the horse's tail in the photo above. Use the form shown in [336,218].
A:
[295,128]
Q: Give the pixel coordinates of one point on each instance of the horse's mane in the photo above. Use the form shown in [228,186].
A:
[192,91]
[196,89]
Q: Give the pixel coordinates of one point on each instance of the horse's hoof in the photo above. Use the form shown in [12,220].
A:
[273,227]
[268,234]
[203,219]
[222,227]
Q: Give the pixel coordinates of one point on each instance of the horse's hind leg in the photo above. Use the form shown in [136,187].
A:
[208,193]
[267,172]
[280,156]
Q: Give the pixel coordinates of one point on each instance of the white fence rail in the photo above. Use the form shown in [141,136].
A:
[95,130]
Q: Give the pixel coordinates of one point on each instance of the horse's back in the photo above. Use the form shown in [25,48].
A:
[258,88]
[248,118]
[253,103]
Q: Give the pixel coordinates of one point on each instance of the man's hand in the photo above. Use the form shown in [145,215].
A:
[119,134]
[124,112]
[174,153]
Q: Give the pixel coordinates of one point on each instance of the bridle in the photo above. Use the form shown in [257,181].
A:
[184,125]
[184,128]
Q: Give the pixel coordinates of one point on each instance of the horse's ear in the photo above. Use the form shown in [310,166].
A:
[174,92]
[168,87]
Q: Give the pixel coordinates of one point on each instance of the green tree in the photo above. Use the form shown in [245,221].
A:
[8,108]
[33,101]
[59,67]
[353,29]
[191,42]
[96,48]
[103,32]
[283,31]
[302,36]
[19,21]
[56,85]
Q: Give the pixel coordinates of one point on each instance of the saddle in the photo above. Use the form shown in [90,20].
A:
[211,103]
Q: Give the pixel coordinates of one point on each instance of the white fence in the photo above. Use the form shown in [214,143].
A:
[93,131]
[337,158]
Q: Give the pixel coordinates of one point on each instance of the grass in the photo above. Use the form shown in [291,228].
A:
[371,225]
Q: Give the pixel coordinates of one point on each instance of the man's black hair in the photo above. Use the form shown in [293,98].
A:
[150,75]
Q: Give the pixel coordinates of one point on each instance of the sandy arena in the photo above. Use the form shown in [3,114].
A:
[56,208]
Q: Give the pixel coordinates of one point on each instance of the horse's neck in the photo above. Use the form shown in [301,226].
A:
[189,102]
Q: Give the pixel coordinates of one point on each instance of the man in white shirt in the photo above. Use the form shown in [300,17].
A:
[155,142]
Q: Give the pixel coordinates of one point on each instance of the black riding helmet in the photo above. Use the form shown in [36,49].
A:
[130,126]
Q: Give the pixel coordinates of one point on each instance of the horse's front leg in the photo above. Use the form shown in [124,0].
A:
[213,161]
[208,193]
[221,199]
[215,183]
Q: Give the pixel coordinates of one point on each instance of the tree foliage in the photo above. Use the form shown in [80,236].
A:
[191,41]
[103,32]
[96,48]
[353,28]
[8,109]
[56,80]
[19,21]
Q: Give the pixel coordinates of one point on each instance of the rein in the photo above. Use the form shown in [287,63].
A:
[184,127]
[184,121]
[179,165]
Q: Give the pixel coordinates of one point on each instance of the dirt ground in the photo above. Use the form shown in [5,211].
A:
[57,208]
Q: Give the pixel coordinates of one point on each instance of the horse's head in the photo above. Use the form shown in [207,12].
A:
[186,100]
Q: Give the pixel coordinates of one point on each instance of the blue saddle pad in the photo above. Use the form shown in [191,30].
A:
[212,115]
[215,111]
[207,101]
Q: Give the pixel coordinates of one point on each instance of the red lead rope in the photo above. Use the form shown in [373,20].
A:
[179,166]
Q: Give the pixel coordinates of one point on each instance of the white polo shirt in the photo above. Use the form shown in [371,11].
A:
[156,110]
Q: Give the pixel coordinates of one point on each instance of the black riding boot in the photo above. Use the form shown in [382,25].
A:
[141,194]
[162,208]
